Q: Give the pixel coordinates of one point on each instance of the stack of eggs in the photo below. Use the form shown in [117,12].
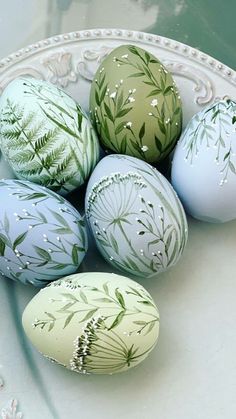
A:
[100,322]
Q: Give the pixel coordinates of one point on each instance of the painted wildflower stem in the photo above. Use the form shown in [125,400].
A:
[117,201]
[202,129]
[84,310]
[113,106]
[60,249]
[109,325]
[51,258]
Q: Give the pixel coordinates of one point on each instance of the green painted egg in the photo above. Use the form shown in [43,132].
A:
[98,323]
[135,104]
[45,135]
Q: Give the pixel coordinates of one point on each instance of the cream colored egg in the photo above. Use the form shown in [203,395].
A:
[98,323]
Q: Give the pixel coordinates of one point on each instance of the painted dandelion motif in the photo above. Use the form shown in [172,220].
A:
[101,351]
[112,199]
[133,220]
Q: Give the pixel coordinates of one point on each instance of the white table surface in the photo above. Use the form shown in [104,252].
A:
[191,374]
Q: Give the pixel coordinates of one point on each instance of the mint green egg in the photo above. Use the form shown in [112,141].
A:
[135,105]
[93,322]
[45,136]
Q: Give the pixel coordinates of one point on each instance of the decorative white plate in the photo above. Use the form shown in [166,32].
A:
[192,371]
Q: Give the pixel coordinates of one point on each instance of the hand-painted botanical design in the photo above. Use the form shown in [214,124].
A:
[113,328]
[47,137]
[42,237]
[214,127]
[137,220]
[101,350]
[11,411]
[135,104]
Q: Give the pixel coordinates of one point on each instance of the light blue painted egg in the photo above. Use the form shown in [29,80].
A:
[204,164]
[136,218]
[42,236]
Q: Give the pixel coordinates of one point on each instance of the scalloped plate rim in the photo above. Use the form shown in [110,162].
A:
[125,34]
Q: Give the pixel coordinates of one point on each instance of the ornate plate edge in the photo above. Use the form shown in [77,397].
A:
[124,34]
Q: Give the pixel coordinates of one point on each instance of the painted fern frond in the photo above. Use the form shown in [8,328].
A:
[71,179]
[35,131]
[46,180]
[12,113]
[23,157]
[53,157]
[63,167]
[46,141]
[11,133]
[27,120]
[34,168]
[17,144]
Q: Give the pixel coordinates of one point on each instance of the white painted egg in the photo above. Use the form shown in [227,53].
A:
[135,216]
[42,236]
[204,164]
[45,135]
[97,323]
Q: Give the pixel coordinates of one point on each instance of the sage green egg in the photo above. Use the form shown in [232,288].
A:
[45,136]
[99,323]
[135,105]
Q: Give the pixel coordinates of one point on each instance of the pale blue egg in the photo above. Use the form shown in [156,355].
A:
[204,164]
[42,236]
[136,218]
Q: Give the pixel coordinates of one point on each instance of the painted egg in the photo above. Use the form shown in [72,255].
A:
[204,164]
[98,323]
[135,104]
[45,135]
[42,236]
[136,218]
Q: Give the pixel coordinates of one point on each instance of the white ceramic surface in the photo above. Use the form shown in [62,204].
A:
[192,371]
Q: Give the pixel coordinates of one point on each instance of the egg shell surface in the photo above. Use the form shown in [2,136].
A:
[98,323]
[135,216]
[204,164]
[45,135]
[42,236]
[135,104]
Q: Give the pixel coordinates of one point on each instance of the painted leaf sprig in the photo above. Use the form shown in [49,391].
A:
[211,128]
[135,105]
[43,238]
[93,322]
